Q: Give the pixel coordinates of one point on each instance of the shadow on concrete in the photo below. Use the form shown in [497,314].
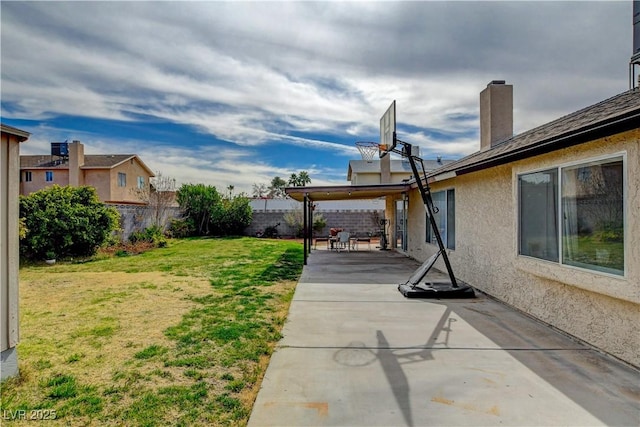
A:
[362,283]
[607,388]
[596,382]
[396,377]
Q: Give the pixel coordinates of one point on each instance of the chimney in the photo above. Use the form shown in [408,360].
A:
[635,55]
[496,114]
[76,161]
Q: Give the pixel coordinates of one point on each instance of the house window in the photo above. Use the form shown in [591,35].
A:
[539,214]
[141,183]
[122,179]
[48,176]
[28,176]
[575,215]
[445,204]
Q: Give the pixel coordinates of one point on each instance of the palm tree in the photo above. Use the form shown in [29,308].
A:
[299,180]
[303,178]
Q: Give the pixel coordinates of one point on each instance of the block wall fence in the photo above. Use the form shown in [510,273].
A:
[360,222]
[136,218]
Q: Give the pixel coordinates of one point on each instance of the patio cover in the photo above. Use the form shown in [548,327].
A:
[346,192]
[308,195]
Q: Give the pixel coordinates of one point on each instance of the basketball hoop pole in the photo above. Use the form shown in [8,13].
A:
[411,288]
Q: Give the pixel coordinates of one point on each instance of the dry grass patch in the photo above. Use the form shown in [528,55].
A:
[140,341]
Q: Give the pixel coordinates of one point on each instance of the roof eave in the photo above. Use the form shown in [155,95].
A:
[614,126]
[21,134]
[135,156]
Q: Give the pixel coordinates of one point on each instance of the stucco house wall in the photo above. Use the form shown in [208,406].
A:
[374,178]
[132,169]
[366,179]
[38,180]
[100,179]
[598,308]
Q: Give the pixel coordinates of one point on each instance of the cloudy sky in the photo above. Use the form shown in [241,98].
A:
[235,93]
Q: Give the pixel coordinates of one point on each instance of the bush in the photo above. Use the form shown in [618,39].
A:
[153,235]
[231,216]
[65,221]
[295,220]
[198,202]
[208,213]
[180,228]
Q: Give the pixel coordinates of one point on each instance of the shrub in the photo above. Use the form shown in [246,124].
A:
[65,221]
[153,235]
[198,201]
[231,216]
[209,213]
[180,228]
[295,220]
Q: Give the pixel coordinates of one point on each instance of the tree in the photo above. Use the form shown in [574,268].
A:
[65,222]
[159,196]
[230,188]
[299,180]
[260,190]
[276,189]
[212,214]
[232,216]
[198,202]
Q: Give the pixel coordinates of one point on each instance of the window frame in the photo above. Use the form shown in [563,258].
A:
[28,176]
[48,176]
[559,167]
[141,182]
[450,226]
[122,179]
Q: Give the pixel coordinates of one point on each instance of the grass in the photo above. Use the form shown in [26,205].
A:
[175,336]
[585,253]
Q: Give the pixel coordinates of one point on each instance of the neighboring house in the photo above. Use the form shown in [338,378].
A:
[9,248]
[548,221]
[365,172]
[116,177]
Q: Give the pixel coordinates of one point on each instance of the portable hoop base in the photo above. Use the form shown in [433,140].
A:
[437,290]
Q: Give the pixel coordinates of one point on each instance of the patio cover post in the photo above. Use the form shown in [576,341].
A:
[310,224]
[305,219]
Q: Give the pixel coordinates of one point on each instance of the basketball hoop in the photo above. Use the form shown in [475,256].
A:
[368,150]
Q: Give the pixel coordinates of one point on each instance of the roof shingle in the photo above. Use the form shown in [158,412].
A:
[623,107]
[98,161]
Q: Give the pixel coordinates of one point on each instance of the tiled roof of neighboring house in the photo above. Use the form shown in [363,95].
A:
[91,161]
[105,160]
[614,115]
[102,161]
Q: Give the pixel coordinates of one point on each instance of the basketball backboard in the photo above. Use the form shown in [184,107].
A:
[388,130]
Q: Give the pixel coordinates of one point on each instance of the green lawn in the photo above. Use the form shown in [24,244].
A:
[175,336]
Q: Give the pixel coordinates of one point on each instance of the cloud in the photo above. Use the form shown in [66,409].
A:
[277,76]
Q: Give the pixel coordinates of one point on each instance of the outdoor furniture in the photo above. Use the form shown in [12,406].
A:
[333,243]
[321,239]
[344,241]
[364,239]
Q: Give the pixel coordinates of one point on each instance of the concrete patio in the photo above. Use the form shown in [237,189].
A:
[356,352]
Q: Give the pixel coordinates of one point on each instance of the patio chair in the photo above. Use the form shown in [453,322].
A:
[343,241]
[364,239]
